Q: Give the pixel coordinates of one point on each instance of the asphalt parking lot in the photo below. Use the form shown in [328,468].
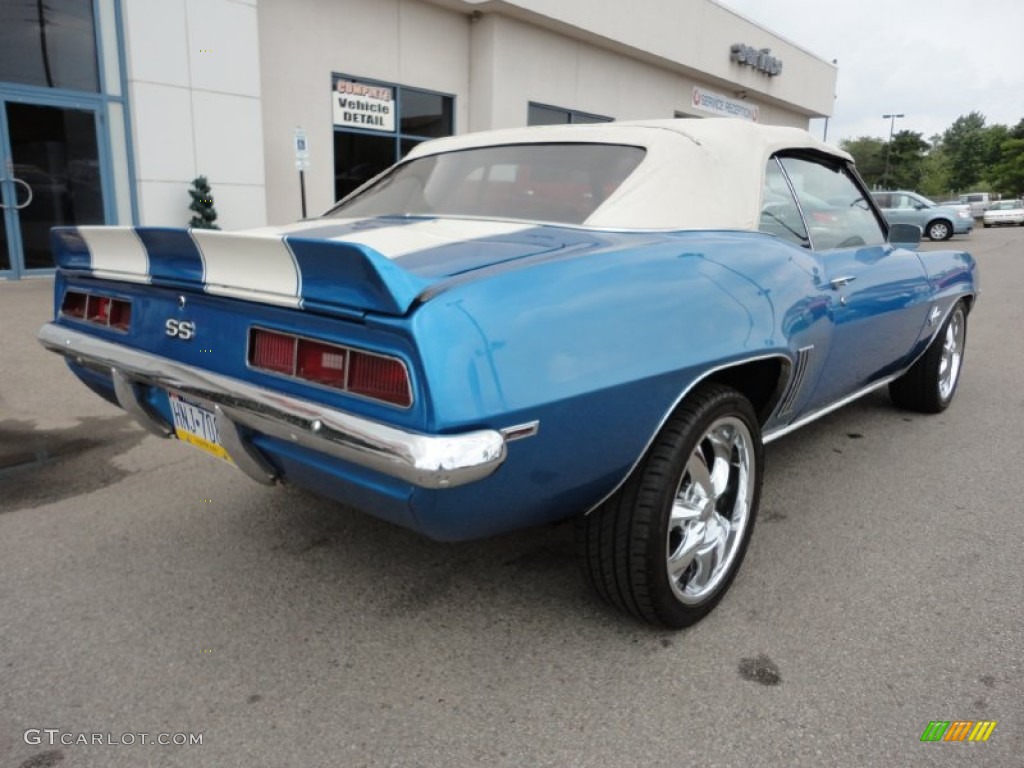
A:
[147,588]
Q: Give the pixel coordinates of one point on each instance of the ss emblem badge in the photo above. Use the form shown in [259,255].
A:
[180,329]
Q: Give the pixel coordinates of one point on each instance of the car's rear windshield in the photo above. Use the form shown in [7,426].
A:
[561,183]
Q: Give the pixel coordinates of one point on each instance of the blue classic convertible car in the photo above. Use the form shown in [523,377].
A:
[511,328]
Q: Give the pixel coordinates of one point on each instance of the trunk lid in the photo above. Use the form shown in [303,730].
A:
[334,266]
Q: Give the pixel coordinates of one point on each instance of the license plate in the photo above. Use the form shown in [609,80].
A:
[195,425]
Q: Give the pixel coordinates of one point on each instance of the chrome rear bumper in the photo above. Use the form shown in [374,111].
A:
[428,461]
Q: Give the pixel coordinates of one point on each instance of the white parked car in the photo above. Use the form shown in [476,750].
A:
[1004,212]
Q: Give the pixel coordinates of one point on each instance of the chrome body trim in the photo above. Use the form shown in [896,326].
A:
[796,381]
[775,434]
[838,282]
[243,455]
[428,461]
[781,431]
[128,398]
[520,431]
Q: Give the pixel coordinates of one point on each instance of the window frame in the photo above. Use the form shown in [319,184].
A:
[847,169]
[571,113]
[808,244]
[398,135]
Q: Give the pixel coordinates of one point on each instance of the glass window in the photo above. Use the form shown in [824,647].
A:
[376,124]
[358,157]
[540,182]
[541,114]
[425,114]
[833,204]
[538,115]
[780,215]
[50,44]
[55,152]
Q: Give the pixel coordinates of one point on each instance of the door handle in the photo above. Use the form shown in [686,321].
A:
[837,283]
[28,200]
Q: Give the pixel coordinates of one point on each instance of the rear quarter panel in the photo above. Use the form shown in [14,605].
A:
[598,347]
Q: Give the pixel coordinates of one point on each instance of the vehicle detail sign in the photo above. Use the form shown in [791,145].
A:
[717,104]
[362,105]
[195,425]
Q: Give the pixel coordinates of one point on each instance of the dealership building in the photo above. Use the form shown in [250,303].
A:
[110,108]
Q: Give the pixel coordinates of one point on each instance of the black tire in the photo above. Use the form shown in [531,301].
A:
[986,225]
[633,550]
[940,229]
[929,385]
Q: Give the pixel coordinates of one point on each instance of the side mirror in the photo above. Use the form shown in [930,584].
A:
[905,235]
[919,206]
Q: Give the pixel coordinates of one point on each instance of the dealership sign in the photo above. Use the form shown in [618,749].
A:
[759,59]
[362,105]
[717,104]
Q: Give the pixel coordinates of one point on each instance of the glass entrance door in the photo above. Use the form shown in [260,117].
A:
[50,174]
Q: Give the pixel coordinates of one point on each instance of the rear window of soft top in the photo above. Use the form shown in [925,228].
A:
[559,183]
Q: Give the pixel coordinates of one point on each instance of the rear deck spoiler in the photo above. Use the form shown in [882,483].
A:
[326,275]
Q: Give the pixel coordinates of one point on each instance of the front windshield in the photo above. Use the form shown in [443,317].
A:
[1007,205]
[563,183]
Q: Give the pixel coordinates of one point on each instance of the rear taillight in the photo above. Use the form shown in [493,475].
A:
[367,374]
[322,363]
[272,352]
[379,378]
[74,304]
[120,315]
[98,310]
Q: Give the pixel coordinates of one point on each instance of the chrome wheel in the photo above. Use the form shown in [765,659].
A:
[952,354]
[668,544]
[710,510]
[939,230]
[930,383]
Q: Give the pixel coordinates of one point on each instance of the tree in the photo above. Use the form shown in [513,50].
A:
[869,154]
[1008,174]
[202,205]
[965,146]
[935,173]
[906,160]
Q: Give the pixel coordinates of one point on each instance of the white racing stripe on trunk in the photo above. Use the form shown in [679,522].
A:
[393,242]
[298,227]
[256,267]
[116,253]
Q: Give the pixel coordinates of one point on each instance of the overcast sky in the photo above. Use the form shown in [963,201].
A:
[932,60]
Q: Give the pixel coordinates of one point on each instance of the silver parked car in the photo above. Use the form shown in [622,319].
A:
[936,221]
[1004,212]
[979,202]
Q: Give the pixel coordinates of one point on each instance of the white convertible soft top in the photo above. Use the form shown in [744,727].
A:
[697,174]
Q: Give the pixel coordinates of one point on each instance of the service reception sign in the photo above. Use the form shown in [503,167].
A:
[362,105]
[717,104]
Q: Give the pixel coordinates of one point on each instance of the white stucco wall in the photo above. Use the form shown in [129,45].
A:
[194,89]
[689,36]
[303,42]
[519,59]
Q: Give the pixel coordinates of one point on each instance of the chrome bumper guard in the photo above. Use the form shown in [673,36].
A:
[429,461]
